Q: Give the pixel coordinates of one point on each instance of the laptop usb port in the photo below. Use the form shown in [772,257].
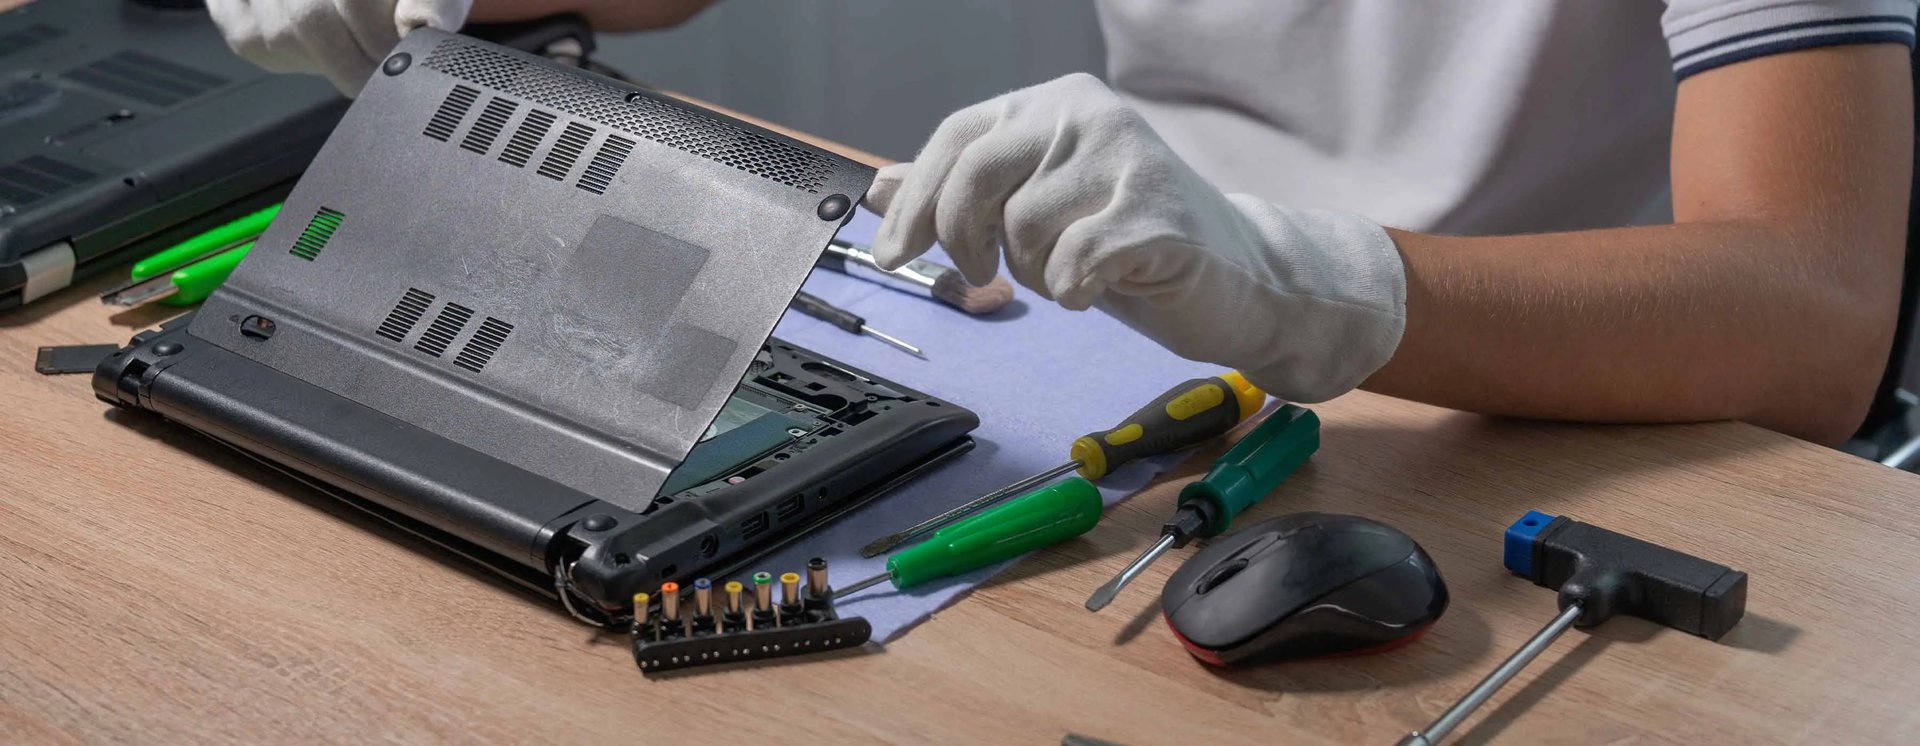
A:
[789,507]
[752,527]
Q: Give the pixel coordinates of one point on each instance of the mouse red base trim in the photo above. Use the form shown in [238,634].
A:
[1206,656]
[1212,658]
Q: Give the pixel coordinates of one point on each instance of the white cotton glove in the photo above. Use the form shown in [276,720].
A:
[344,40]
[1092,208]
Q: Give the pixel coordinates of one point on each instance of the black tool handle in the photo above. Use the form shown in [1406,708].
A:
[1608,573]
[815,306]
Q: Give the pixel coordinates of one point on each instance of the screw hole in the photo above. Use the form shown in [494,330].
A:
[709,544]
[1529,522]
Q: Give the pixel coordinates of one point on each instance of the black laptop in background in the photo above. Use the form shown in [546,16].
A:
[127,126]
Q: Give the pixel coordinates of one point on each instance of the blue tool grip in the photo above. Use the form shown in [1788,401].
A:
[1519,544]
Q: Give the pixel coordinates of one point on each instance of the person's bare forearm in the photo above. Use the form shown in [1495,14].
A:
[605,15]
[1772,299]
[1663,323]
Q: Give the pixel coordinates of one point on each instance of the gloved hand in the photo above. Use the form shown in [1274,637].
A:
[1092,208]
[344,40]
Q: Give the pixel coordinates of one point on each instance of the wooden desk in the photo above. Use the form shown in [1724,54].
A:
[157,588]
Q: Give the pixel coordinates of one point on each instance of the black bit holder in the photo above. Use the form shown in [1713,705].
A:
[817,629]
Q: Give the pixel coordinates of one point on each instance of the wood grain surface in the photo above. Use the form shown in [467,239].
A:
[156,588]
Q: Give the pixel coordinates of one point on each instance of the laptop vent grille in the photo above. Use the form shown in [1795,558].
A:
[34,178]
[28,38]
[565,151]
[526,137]
[486,341]
[145,78]
[319,231]
[453,317]
[606,163]
[635,113]
[487,127]
[452,109]
[405,314]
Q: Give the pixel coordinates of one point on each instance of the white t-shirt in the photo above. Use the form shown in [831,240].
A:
[1454,116]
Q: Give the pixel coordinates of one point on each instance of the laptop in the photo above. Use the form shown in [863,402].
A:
[523,311]
[128,126]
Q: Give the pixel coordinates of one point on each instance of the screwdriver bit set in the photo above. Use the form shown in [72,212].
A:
[747,626]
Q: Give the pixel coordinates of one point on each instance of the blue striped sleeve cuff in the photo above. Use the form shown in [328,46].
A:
[1705,34]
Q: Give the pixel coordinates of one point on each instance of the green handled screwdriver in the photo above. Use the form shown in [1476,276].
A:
[1040,518]
[189,271]
[1186,415]
[1249,471]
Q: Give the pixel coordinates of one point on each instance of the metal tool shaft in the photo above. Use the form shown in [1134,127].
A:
[1484,690]
[862,585]
[145,291]
[892,340]
[1105,594]
[929,525]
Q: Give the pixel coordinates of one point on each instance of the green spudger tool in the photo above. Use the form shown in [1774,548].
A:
[189,271]
[1041,518]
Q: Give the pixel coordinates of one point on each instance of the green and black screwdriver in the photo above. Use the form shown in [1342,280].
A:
[1244,476]
[1184,416]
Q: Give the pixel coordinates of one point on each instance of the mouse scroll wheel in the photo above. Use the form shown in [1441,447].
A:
[1219,574]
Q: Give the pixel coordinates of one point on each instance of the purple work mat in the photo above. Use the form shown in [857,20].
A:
[1020,369]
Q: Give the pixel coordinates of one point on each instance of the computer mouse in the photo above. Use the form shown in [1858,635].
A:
[1303,586]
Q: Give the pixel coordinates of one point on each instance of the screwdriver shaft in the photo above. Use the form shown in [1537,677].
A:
[862,585]
[145,291]
[1105,594]
[892,340]
[929,525]
[1484,690]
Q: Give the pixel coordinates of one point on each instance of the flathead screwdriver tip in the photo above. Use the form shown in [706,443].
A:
[879,546]
[1105,594]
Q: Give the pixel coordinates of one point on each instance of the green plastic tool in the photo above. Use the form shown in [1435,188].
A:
[1249,471]
[189,271]
[1041,518]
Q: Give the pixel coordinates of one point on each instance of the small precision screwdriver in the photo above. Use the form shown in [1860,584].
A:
[1250,470]
[1186,415]
[1041,518]
[819,308]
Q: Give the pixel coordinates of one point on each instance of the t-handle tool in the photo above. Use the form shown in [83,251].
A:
[1186,415]
[1249,471]
[1600,573]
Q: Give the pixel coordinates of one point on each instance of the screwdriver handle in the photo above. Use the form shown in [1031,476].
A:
[819,308]
[1254,467]
[1041,518]
[244,228]
[1186,415]
[198,280]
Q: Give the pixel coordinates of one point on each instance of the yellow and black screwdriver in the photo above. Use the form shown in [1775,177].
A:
[1186,415]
